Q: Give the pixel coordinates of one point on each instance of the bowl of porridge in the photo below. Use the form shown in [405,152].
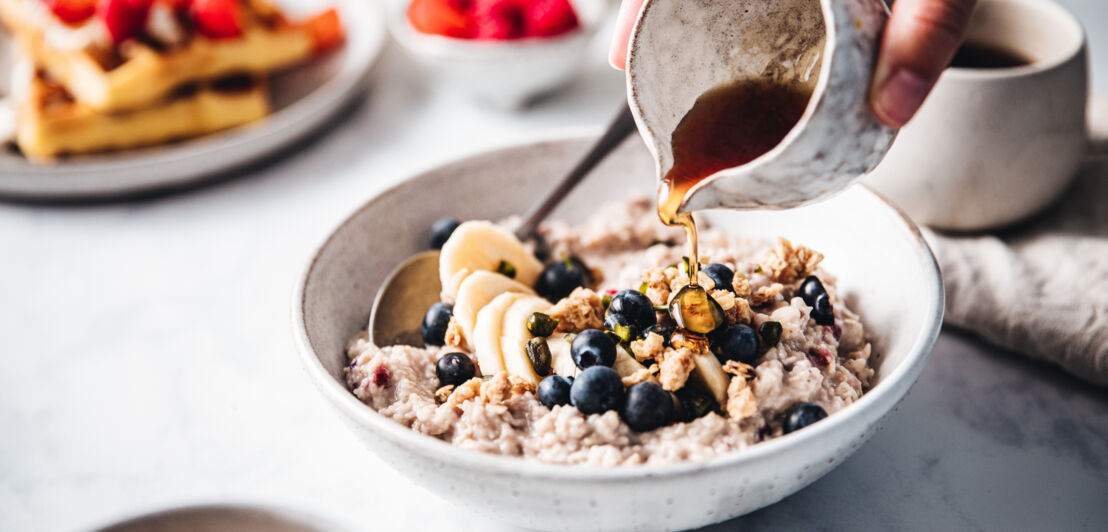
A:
[598,381]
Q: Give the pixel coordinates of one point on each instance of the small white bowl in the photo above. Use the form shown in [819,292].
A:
[236,517]
[507,74]
[884,267]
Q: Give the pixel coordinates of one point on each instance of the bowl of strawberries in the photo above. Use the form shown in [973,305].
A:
[506,52]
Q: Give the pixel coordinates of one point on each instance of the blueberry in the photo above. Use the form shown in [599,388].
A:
[661,330]
[597,390]
[694,403]
[770,333]
[593,348]
[803,414]
[810,289]
[721,275]
[434,325]
[647,407]
[822,311]
[736,342]
[558,279]
[554,390]
[454,368]
[635,307]
[441,231]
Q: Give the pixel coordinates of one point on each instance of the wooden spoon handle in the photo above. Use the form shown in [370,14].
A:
[618,130]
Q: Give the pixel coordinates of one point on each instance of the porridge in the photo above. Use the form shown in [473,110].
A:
[607,354]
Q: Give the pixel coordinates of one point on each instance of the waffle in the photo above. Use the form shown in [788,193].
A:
[50,122]
[142,72]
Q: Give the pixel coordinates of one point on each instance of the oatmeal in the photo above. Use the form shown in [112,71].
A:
[610,355]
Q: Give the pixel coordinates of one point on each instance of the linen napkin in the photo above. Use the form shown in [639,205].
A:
[1040,288]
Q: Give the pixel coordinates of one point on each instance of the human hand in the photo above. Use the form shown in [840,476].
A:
[919,41]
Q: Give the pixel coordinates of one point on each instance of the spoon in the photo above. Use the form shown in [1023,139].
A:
[414,285]
[681,49]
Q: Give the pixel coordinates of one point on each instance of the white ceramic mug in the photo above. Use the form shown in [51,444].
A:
[992,146]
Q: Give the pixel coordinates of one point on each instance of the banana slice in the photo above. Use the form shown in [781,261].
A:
[561,360]
[487,333]
[709,374]
[626,365]
[480,246]
[514,336]
[476,291]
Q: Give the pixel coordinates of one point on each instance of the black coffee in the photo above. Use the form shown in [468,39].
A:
[979,55]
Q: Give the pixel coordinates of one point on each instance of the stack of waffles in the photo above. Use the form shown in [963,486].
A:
[97,75]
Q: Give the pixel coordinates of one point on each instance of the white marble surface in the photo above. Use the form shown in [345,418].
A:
[146,360]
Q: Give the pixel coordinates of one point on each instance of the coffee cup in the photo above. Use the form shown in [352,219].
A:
[1004,131]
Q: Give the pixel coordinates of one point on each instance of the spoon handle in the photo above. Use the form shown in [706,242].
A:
[618,130]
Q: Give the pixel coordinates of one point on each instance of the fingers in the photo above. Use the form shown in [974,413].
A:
[628,12]
[919,41]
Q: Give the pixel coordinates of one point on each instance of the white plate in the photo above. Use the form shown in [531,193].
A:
[303,99]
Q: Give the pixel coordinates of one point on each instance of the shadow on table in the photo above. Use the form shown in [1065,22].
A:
[986,439]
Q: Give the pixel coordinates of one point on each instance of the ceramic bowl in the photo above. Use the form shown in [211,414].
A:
[884,268]
[507,74]
[213,517]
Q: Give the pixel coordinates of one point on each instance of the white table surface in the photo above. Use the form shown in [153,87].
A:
[146,359]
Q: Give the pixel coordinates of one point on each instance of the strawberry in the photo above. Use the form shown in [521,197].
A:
[498,19]
[217,19]
[441,17]
[71,11]
[325,29]
[461,6]
[548,18]
[123,18]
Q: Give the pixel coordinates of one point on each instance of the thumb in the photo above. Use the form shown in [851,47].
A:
[919,41]
[625,22]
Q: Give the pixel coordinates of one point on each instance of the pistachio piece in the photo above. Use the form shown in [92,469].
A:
[539,324]
[538,352]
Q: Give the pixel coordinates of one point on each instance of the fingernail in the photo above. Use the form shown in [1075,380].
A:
[617,56]
[900,97]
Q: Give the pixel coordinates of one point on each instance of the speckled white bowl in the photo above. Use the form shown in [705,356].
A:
[224,517]
[885,270]
[507,74]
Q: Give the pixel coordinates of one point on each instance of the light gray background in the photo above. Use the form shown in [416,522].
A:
[146,359]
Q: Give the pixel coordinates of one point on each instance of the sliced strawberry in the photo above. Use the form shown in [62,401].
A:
[440,17]
[461,6]
[498,19]
[325,29]
[123,18]
[217,19]
[71,11]
[548,18]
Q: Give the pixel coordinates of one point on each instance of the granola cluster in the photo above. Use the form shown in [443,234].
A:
[494,390]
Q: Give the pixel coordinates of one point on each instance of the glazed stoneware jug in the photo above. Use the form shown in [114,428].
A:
[681,48]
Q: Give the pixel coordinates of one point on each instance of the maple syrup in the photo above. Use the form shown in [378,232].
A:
[728,126]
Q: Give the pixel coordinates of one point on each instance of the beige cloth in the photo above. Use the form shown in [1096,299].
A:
[1040,288]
